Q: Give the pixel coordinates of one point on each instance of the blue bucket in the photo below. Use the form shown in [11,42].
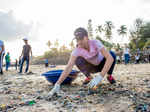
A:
[53,75]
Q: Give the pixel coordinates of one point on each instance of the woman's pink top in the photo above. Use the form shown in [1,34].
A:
[94,55]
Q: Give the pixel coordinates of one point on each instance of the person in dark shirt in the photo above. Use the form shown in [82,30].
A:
[26,55]
[16,64]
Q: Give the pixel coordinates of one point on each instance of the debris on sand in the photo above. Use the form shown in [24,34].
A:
[26,93]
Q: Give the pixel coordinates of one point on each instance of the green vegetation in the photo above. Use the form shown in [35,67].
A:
[139,35]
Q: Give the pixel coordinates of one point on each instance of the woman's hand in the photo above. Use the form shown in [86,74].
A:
[95,81]
[54,90]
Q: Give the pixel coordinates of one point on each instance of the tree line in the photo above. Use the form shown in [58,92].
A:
[139,35]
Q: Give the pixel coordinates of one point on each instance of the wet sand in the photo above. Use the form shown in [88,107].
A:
[130,93]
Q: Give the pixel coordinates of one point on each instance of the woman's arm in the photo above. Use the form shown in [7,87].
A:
[108,63]
[67,69]
[109,60]
[63,76]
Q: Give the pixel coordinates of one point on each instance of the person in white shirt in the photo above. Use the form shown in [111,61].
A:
[137,58]
[2,52]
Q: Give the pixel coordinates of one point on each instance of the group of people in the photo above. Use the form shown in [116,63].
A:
[136,57]
[26,55]
[90,56]
[125,56]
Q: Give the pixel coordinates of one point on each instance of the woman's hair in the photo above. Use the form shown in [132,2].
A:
[80,33]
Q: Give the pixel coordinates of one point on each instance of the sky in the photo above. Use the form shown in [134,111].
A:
[43,20]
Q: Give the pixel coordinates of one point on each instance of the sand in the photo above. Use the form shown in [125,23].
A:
[131,91]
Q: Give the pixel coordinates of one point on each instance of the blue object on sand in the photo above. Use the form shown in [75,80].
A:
[52,66]
[53,75]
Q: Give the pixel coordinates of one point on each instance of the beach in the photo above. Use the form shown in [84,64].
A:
[131,91]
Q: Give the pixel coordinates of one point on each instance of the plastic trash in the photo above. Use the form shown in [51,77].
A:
[2,107]
[30,103]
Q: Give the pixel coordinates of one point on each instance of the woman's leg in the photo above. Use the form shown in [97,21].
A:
[113,64]
[101,65]
[110,78]
[85,67]
[88,68]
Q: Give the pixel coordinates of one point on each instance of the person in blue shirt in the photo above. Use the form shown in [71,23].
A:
[2,53]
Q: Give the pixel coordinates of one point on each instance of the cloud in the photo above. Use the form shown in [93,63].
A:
[11,28]
[145,1]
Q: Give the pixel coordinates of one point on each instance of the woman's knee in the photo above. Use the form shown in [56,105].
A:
[80,61]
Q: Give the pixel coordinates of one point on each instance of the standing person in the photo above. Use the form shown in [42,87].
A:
[7,60]
[2,52]
[16,64]
[90,56]
[46,62]
[26,55]
[126,55]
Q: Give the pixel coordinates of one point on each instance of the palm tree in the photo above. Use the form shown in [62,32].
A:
[49,44]
[122,30]
[90,28]
[99,29]
[72,45]
[108,26]
[135,32]
[56,44]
